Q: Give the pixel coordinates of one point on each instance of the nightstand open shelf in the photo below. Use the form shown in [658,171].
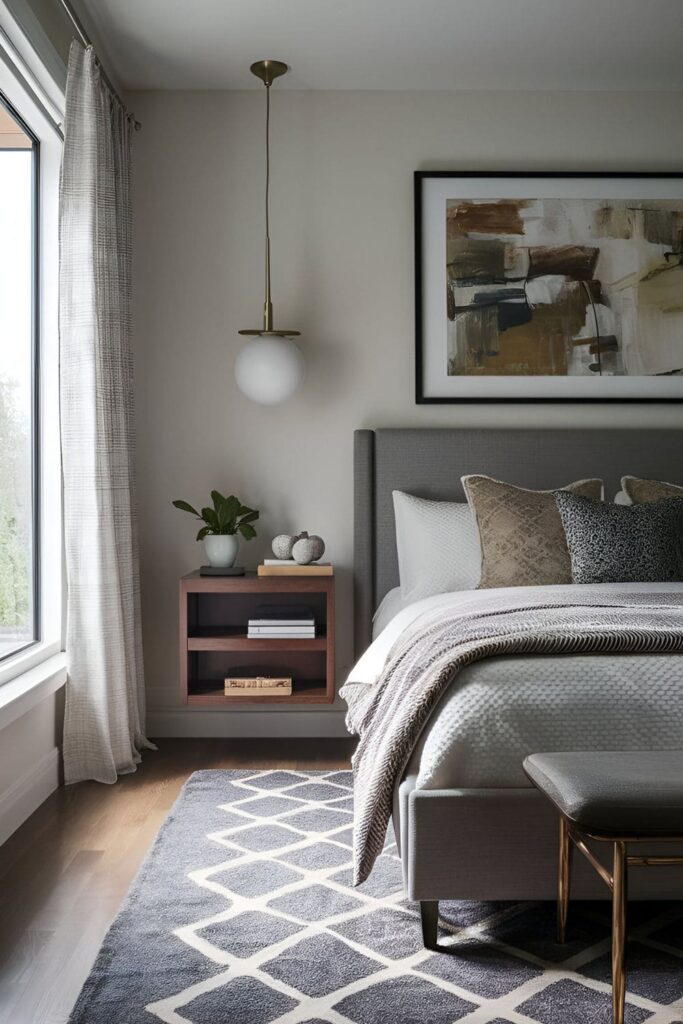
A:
[214,612]
[234,638]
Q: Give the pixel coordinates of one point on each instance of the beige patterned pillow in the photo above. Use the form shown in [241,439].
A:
[521,533]
[642,491]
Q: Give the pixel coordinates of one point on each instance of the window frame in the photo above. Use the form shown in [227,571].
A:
[20,97]
[36,538]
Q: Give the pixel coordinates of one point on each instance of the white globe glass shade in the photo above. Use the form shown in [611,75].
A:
[269,369]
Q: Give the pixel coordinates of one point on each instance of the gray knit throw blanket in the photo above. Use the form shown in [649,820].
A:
[389,715]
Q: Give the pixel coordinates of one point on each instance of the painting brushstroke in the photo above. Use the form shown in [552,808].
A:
[564,287]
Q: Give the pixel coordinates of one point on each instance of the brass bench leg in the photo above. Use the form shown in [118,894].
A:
[563,876]
[619,896]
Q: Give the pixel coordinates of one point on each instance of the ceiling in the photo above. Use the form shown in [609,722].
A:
[394,44]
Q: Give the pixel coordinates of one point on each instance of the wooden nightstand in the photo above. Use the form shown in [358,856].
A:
[214,611]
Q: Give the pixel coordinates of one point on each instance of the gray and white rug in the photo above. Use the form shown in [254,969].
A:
[244,913]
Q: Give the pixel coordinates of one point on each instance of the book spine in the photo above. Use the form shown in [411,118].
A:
[261,691]
[256,682]
[258,686]
[249,684]
[282,630]
[288,561]
[281,623]
[280,635]
[295,570]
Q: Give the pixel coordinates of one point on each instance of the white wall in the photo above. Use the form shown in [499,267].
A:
[343,264]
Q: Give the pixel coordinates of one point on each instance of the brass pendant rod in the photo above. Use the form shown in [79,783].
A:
[267,71]
[268,305]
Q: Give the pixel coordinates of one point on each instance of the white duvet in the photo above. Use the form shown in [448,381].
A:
[501,709]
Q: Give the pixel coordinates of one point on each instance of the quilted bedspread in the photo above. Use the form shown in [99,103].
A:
[388,713]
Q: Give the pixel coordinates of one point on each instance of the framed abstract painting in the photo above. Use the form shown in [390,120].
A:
[548,287]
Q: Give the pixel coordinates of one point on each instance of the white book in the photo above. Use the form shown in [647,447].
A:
[288,561]
[299,628]
[281,629]
[307,627]
[282,634]
[281,623]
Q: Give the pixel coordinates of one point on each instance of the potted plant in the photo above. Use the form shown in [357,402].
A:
[222,523]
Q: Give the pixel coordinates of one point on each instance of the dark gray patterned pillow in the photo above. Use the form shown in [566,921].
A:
[622,543]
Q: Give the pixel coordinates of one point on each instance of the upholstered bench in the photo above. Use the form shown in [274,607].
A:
[613,797]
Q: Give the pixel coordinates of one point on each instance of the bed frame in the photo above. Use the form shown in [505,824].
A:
[483,844]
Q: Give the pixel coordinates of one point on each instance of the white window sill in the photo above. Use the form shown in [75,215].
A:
[30,688]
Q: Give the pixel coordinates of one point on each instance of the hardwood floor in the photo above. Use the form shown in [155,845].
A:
[64,873]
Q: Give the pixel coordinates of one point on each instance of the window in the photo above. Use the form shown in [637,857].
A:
[31,595]
[19,535]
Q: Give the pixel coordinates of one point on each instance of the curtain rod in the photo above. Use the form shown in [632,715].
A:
[85,39]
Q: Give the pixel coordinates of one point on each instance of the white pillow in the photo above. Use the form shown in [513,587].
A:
[438,546]
[391,604]
[622,498]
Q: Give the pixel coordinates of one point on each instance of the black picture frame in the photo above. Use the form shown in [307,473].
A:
[419,178]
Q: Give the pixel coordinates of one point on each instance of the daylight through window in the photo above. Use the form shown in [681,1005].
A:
[17,379]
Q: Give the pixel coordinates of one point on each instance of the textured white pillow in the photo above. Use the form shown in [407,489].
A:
[391,604]
[438,546]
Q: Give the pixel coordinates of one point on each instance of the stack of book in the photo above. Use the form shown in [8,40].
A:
[288,567]
[260,686]
[286,623]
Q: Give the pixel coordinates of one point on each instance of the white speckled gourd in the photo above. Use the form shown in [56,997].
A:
[282,545]
[308,549]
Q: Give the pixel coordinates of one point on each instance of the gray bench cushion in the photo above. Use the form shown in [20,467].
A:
[615,793]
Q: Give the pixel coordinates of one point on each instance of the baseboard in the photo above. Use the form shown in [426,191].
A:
[177,722]
[27,793]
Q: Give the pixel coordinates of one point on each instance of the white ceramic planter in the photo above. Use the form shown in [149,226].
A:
[221,550]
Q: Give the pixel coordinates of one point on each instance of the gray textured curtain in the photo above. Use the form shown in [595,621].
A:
[104,717]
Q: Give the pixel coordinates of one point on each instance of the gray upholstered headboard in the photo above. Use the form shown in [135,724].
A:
[429,463]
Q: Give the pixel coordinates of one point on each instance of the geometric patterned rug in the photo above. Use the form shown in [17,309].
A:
[244,913]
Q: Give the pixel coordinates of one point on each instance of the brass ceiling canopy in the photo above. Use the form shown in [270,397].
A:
[267,71]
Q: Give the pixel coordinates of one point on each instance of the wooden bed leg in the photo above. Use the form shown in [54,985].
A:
[429,913]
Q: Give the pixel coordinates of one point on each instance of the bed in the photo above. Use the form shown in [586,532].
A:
[485,834]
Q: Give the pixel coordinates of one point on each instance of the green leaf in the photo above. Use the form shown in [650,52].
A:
[247,531]
[233,504]
[245,510]
[231,520]
[251,518]
[211,519]
[223,513]
[227,514]
[184,507]
[204,532]
[217,499]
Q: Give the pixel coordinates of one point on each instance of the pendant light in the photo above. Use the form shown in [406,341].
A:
[270,367]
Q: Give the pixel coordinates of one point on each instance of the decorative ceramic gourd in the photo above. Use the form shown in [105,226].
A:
[282,545]
[302,548]
[308,549]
